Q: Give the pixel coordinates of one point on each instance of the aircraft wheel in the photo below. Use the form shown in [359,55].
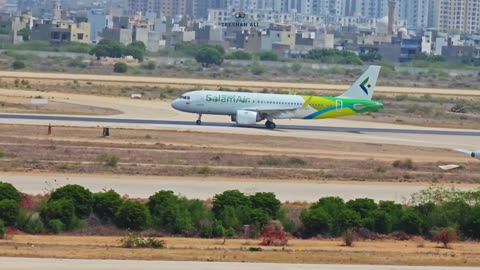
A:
[271,125]
[199,122]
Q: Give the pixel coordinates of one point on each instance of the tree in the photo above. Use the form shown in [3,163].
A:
[209,56]
[363,206]
[18,64]
[81,197]
[410,222]
[9,192]
[267,201]
[138,44]
[61,209]
[3,230]
[132,215]
[229,198]
[135,52]
[348,219]
[120,67]
[315,221]
[9,210]
[379,221]
[106,204]
[470,228]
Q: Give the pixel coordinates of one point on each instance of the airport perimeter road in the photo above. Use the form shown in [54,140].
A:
[205,188]
[60,264]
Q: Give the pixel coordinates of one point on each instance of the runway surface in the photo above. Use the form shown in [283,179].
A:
[107,120]
[205,188]
[57,264]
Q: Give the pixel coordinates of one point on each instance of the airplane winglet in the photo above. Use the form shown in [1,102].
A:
[292,92]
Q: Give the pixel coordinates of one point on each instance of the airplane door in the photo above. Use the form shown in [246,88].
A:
[339,105]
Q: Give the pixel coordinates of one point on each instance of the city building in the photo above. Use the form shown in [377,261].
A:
[456,16]
[61,31]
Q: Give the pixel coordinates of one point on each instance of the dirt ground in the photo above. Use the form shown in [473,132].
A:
[384,252]
[187,153]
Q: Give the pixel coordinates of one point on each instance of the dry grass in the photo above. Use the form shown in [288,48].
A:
[299,251]
[169,153]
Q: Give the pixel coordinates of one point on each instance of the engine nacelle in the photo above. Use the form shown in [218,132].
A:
[245,117]
[476,154]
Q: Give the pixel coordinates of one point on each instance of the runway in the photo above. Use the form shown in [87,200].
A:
[205,188]
[57,264]
[107,120]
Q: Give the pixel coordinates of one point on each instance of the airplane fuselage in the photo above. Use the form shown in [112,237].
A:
[280,106]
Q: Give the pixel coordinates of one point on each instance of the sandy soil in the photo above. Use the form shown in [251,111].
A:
[188,83]
[389,252]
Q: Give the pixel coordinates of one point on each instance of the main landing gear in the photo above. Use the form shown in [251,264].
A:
[271,125]
[199,121]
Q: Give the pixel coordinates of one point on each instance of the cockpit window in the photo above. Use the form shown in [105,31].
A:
[184,97]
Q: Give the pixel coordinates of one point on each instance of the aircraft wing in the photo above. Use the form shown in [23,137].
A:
[273,111]
[468,152]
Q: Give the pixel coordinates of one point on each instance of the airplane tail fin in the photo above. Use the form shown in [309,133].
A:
[364,87]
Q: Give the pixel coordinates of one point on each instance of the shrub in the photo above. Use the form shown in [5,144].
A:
[348,237]
[296,161]
[133,240]
[9,211]
[106,204]
[255,249]
[3,229]
[445,236]
[257,69]
[2,154]
[348,219]
[9,192]
[107,159]
[150,65]
[268,56]
[29,222]
[404,164]
[132,215]
[209,55]
[269,161]
[239,55]
[120,67]
[470,228]
[61,209]
[56,226]
[18,65]
[81,197]
[363,206]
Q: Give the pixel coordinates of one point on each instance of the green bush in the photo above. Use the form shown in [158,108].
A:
[348,219]
[268,56]
[3,229]
[18,65]
[232,198]
[120,67]
[362,206]
[106,204]
[470,228]
[132,215]
[239,55]
[9,211]
[266,201]
[81,197]
[208,56]
[133,240]
[29,222]
[9,192]
[150,65]
[411,222]
[257,69]
[56,226]
[315,221]
[333,56]
[61,209]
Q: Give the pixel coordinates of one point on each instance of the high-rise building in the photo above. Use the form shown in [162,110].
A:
[164,7]
[456,15]
[372,8]
[415,13]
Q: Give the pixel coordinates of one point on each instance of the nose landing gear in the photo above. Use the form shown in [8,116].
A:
[199,121]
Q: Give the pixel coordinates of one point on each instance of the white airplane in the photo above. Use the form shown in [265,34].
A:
[250,108]
[473,154]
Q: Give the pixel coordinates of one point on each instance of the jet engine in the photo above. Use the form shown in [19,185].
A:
[476,154]
[245,117]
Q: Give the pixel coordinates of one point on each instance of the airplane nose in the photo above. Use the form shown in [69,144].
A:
[175,104]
